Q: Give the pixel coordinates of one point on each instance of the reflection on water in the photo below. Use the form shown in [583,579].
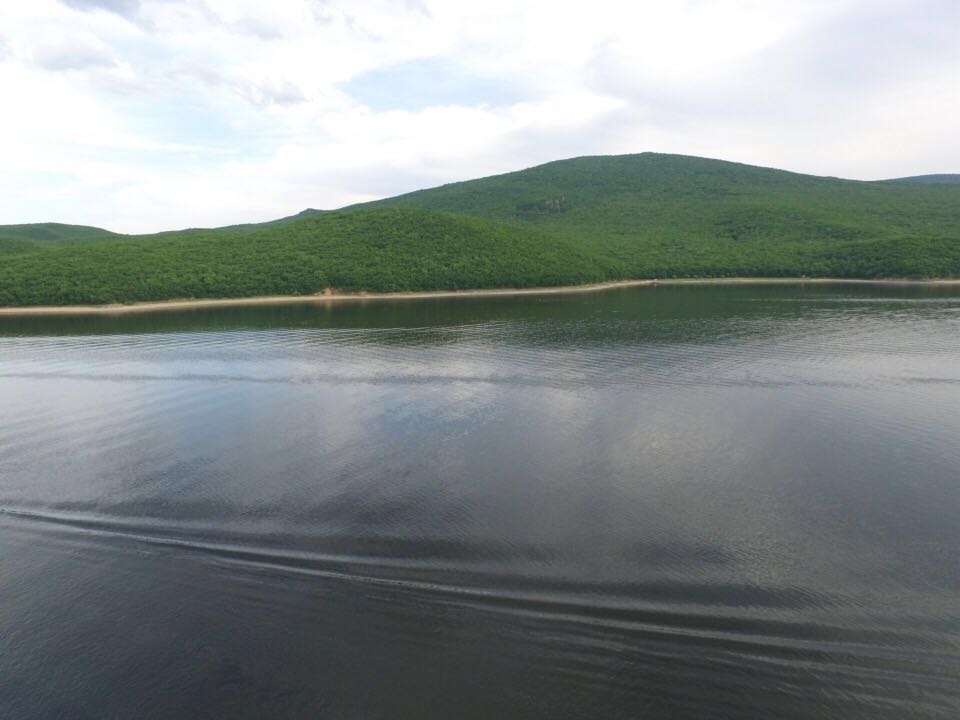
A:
[659,502]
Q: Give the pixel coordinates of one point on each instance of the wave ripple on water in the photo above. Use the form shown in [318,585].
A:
[699,502]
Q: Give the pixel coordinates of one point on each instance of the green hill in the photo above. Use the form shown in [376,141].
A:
[309,212]
[52,232]
[378,250]
[571,221]
[33,236]
[930,179]
[655,215]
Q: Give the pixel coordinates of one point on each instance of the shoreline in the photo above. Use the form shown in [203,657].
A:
[324,299]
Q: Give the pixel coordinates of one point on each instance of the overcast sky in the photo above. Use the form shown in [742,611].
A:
[142,115]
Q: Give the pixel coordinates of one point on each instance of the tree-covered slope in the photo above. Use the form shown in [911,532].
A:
[930,179]
[34,236]
[52,232]
[671,215]
[571,221]
[309,212]
[377,250]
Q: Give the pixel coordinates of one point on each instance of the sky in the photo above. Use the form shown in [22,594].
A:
[147,115]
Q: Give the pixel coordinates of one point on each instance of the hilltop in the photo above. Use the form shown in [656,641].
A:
[930,179]
[52,232]
[566,222]
[656,215]
[32,236]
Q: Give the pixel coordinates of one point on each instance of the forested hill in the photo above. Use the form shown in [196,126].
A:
[930,179]
[673,215]
[570,221]
[377,250]
[32,236]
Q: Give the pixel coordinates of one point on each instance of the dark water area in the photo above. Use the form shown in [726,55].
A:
[671,502]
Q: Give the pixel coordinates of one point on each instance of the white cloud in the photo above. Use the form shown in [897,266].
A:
[126,8]
[151,114]
[72,51]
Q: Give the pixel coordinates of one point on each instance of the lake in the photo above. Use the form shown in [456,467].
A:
[664,502]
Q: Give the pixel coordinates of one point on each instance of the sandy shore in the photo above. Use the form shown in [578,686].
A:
[323,299]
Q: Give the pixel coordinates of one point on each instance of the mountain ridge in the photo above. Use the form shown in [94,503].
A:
[587,219]
[936,179]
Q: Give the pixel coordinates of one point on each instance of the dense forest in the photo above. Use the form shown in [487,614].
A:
[376,250]
[566,222]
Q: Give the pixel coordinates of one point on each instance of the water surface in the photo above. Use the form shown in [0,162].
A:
[683,502]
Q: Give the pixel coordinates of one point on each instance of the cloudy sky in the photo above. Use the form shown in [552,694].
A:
[141,115]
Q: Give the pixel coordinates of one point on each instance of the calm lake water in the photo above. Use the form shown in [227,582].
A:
[672,502]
